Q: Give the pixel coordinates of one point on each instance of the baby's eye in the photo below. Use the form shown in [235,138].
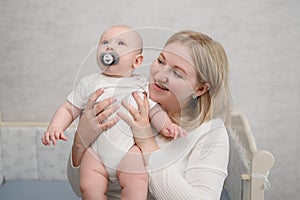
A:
[121,43]
[104,42]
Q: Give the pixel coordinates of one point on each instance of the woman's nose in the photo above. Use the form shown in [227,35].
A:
[162,76]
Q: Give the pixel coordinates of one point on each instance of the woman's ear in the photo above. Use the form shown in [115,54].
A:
[138,61]
[202,89]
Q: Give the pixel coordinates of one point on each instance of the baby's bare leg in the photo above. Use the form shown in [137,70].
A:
[132,176]
[93,177]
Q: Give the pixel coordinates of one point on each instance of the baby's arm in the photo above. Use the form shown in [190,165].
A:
[163,124]
[60,121]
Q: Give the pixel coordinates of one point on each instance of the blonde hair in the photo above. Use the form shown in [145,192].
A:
[211,65]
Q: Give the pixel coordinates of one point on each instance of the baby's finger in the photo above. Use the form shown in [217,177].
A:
[170,132]
[183,132]
[175,133]
[53,140]
[57,134]
[46,139]
[63,137]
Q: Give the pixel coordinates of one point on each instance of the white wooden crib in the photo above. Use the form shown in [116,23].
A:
[247,171]
[248,167]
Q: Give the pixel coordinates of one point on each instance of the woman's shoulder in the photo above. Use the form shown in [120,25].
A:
[214,129]
[208,126]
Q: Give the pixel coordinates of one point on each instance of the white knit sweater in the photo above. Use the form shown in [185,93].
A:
[188,168]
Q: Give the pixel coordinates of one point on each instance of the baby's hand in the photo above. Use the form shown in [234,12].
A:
[174,131]
[52,135]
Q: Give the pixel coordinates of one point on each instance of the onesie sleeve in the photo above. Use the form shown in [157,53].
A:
[80,94]
[200,176]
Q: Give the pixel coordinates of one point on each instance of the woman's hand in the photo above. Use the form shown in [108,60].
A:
[92,122]
[140,124]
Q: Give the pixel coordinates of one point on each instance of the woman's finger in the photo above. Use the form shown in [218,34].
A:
[92,99]
[137,98]
[106,125]
[107,113]
[102,105]
[132,110]
[146,107]
[126,118]
[143,105]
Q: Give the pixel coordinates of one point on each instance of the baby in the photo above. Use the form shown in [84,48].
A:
[119,53]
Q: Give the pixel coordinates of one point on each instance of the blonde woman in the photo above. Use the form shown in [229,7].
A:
[189,79]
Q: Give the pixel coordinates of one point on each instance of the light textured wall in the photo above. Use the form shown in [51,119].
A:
[43,44]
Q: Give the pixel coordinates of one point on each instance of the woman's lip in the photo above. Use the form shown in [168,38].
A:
[159,88]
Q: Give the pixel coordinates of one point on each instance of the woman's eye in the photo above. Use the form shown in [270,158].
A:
[159,61]
[105,42]
[177,74]
[121,43]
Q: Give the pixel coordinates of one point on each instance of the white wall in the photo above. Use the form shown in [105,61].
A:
[43,43]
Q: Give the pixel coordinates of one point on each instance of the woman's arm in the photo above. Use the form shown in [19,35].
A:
[91,123]
[205,166]
[203,176]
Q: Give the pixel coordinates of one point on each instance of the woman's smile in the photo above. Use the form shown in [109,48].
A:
[160,87]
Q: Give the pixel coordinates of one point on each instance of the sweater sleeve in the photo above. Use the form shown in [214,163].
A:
[202,174]
[74,176]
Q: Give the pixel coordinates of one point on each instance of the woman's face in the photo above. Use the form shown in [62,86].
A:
[173,77]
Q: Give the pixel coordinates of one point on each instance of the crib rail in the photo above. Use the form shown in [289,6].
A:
[256,181]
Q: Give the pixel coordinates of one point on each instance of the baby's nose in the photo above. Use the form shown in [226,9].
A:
[109,48]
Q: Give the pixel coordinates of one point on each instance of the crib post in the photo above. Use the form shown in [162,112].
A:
[262,162]
[245,186]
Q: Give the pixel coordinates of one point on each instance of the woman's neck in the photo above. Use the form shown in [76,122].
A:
[172,110]
[176,110]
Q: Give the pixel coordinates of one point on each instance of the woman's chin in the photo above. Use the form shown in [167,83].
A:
[156,93]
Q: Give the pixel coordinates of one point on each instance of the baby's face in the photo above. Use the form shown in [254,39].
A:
[123,41]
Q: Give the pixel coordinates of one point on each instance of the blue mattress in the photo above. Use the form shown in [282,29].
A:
[37,190]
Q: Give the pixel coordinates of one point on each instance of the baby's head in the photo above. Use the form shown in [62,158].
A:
[125,46]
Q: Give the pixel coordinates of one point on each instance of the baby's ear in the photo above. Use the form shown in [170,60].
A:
[138,61]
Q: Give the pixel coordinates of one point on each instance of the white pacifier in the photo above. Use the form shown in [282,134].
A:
[108,59]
